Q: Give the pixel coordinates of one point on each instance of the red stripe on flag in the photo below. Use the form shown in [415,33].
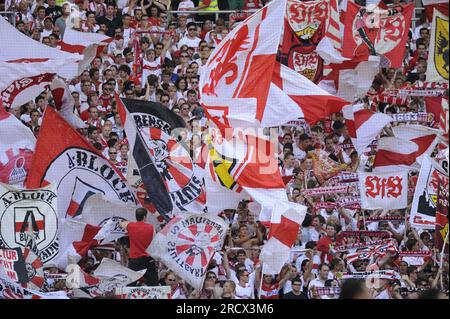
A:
[286,231]
[40,225]
[361,117]
[73,208]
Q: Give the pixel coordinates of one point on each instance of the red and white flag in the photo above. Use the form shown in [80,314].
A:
[381,30]
[384,190]
[406,149]
[284,227]
[26,49]
[187,244]
[86,43]
[75,240]
[64,103]
[363,125]
[248,56]
[352,79]
[79,170]
[17,144]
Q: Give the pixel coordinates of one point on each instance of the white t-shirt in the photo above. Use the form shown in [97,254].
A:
[245,293]
[298,153]
[193,43]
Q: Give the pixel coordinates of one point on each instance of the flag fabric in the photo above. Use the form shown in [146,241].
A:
[75,166]
[284,227]
[77,278]
[21,81]
[162,164]
[384,191]
[107,213]
[11,290]
[442,207]
[431,5]
[76,238]
[406,149]
[300,55]
[352,79]
[247,56]
[423,209]
[25,211]
[85,43]
[187,244]
[12,265]
[65,103]
[438,54]
[363,125]
[108,276]
[17,144]
[379,31]
[27,50]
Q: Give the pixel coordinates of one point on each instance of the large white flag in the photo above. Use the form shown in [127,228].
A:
[187,244]
[23,49]
[384,191]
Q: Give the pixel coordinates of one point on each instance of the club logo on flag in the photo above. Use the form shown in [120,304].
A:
[388,34]
[305,18]
[384,187]
[306,64]
[15,170]
[26,218]
[29,211]
[428,199]
[441,51]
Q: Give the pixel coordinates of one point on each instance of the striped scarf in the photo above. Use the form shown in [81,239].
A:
[328,190]
[378,274]
[376,250]
[324,291]
[366,233]
[361,245]
[384,218]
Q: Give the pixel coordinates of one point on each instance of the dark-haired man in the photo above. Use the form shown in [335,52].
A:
[141,235]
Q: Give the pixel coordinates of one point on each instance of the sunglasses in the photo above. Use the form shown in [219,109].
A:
[191,29]
[185,109]
[164,101]
[111,153]
[184,56]
[211,277]
[171,280]
[194,82]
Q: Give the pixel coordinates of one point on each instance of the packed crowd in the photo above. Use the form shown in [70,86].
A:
[174,48]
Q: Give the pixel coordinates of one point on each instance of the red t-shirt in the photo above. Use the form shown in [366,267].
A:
[141,235]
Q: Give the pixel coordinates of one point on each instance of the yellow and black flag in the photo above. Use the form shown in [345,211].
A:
[438,59]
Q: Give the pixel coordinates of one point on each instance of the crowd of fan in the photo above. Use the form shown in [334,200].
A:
[177,48]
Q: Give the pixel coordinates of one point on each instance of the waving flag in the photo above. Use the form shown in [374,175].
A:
[76,238]
[378,31]
[64,103]
[363,125]
[424,205]
[284,227]
[27,50]
[163,165]
[86,43]
[188,243]
[442,207]
[107,213]
[17,144]
[248,56]
[75,166]
[407,148]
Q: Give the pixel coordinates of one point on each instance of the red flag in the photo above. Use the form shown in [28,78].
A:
[442,213]
[63,156]
[382,31]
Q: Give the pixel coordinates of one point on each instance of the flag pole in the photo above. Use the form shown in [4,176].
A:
[442,257]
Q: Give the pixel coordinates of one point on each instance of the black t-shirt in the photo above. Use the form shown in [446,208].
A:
[110,24]
[54,12]
[291,295]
